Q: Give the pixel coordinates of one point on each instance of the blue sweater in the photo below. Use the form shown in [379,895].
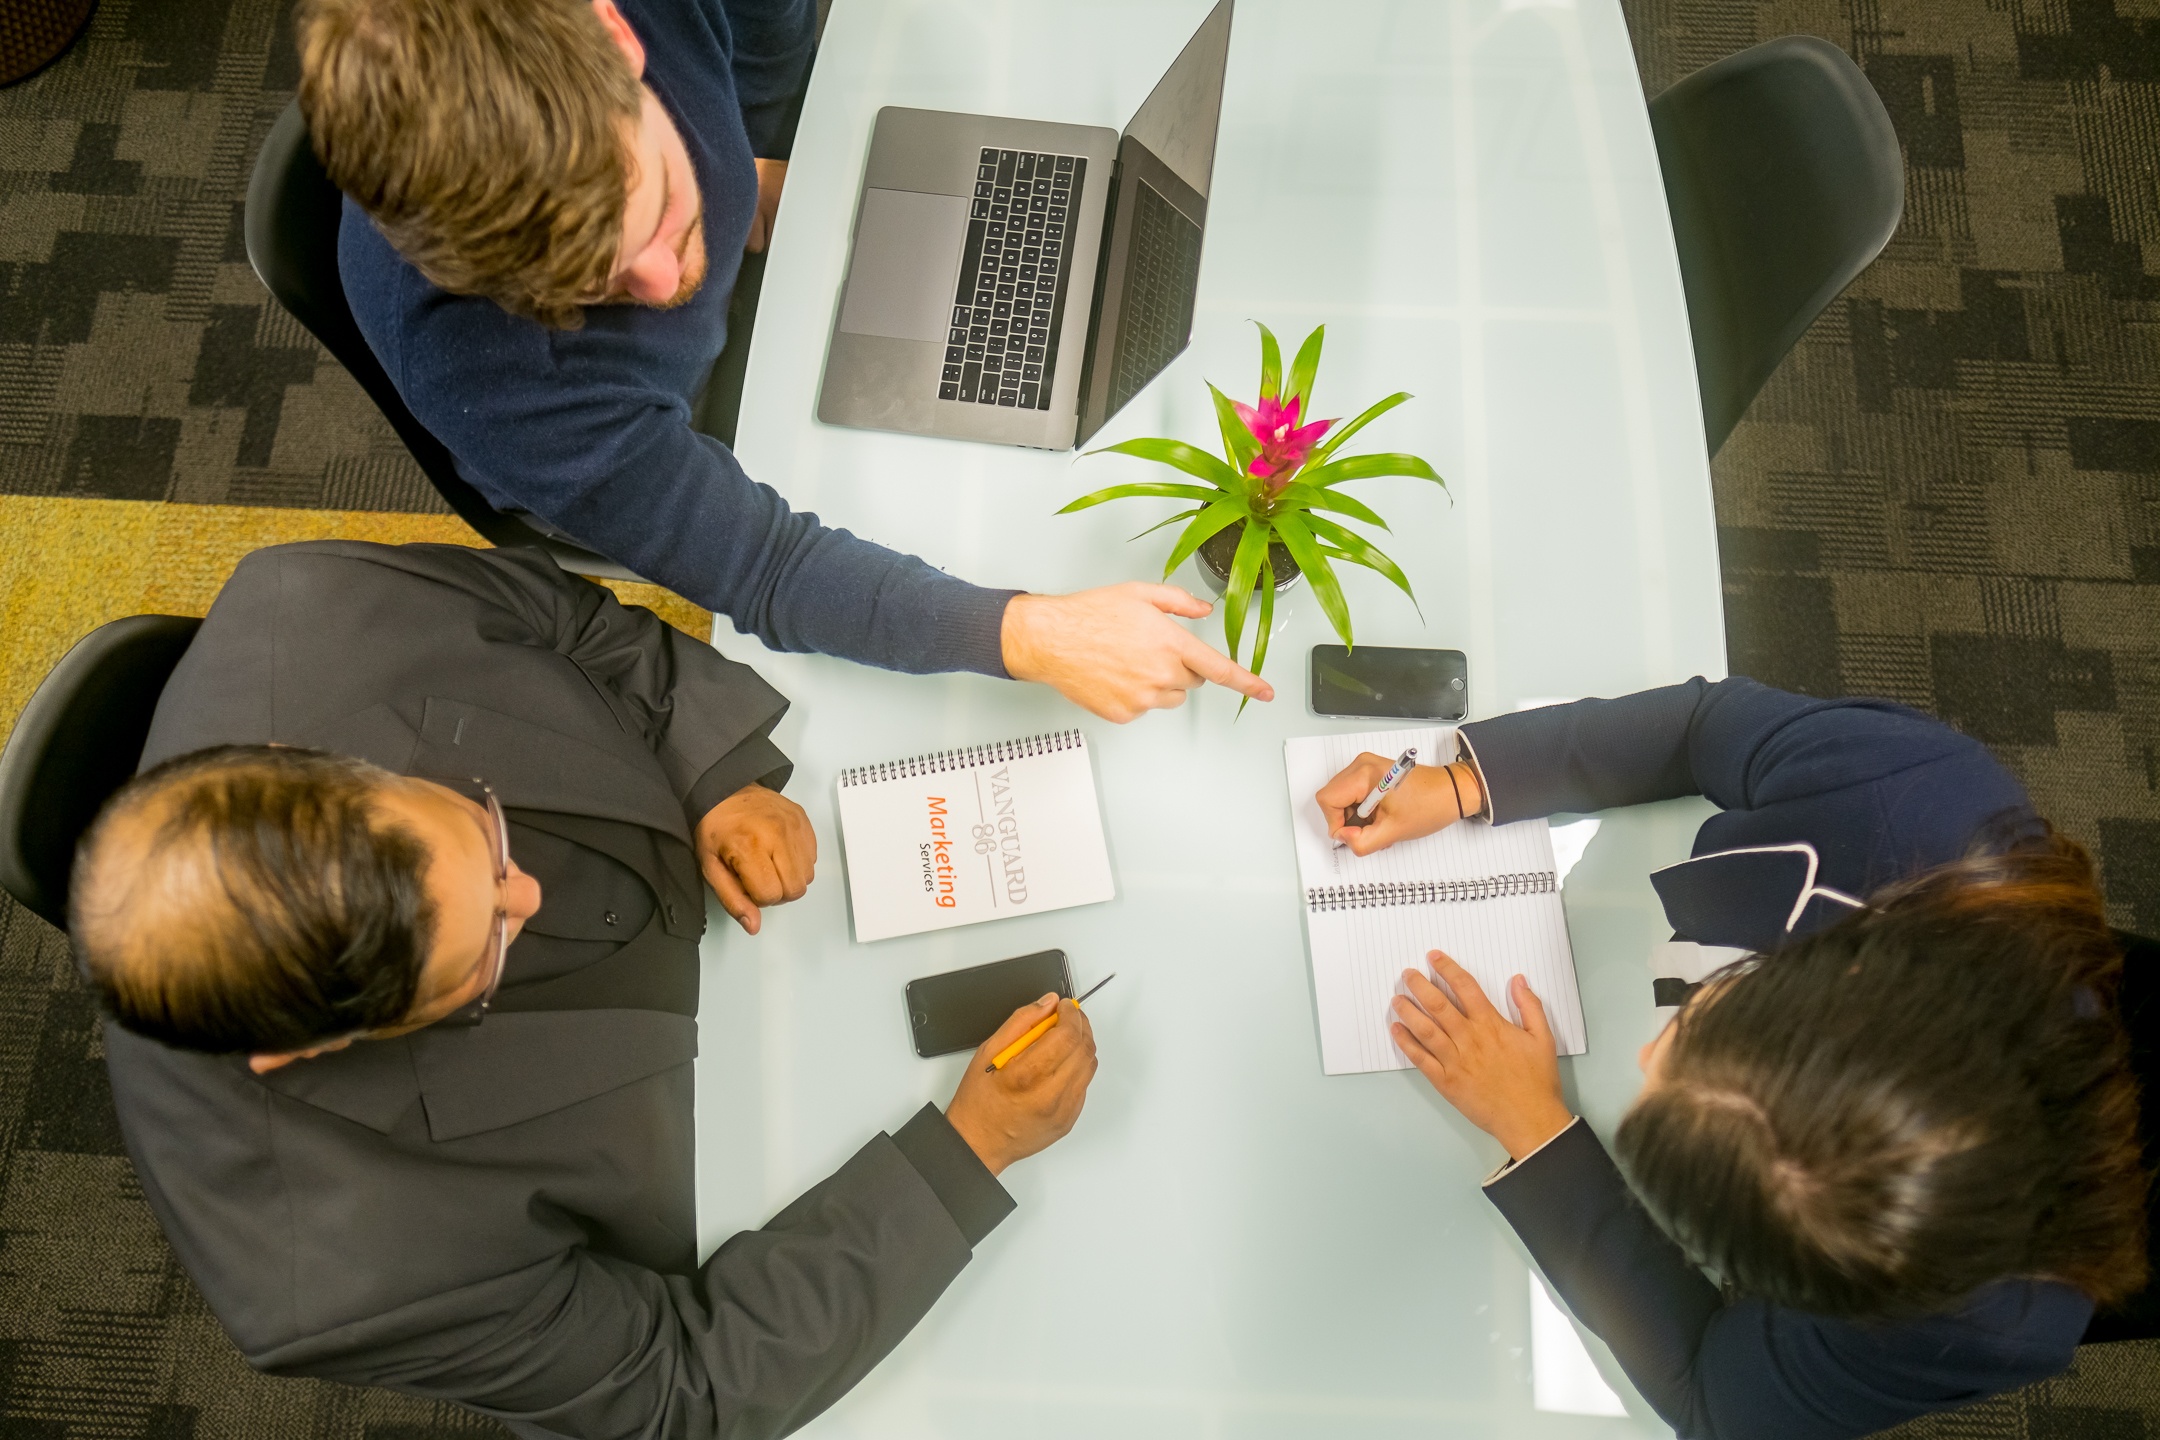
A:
[589,429]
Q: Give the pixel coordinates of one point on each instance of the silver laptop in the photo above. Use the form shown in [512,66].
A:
[1017,281]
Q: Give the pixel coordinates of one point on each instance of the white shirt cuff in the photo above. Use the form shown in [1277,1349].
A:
[1511,1162]
[1464,753]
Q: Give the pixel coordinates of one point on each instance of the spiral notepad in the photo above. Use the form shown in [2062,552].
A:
[1487,895]
[979,833]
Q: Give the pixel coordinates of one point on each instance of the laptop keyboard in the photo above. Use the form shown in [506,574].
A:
[1162,276]
[1002,349]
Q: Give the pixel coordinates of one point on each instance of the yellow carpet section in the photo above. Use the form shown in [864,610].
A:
[68,566]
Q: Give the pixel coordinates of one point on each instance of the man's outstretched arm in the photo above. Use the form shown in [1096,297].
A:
[614,464]
[779,1323]
[735,546]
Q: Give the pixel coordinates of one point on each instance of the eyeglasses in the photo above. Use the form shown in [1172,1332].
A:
[497,953]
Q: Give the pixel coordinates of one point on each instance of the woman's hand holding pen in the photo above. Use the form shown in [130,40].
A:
[1029,1103]
[1423,801]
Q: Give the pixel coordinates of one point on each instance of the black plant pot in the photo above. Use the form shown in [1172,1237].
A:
[1220,549]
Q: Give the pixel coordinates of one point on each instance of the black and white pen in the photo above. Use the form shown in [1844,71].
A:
[1363,814]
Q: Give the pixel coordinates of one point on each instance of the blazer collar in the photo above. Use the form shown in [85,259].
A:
[1752,898]
[530,766]
[516,1067]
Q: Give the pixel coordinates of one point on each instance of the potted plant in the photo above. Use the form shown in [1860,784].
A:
[1260,503]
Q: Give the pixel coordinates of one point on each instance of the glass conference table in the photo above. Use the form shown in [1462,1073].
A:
[1231,1244]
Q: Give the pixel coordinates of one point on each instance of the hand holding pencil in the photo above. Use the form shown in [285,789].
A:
[1010,1110]
[1035,1032]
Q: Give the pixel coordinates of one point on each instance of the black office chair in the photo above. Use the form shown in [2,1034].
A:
[79,739]
[292,225]
[1784,180]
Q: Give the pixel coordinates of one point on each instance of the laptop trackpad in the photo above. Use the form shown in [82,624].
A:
[907,260]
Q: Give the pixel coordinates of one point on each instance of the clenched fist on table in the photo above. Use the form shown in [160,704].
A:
[756,848]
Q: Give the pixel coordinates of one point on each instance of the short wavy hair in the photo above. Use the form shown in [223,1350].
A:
[1933,1094]
[484,137]
[252,899]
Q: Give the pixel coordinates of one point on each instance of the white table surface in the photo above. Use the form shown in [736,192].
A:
[1230,1244]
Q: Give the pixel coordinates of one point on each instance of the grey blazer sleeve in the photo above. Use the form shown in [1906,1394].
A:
[771,1330]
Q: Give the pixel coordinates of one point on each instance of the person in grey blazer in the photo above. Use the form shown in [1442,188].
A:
[399,923]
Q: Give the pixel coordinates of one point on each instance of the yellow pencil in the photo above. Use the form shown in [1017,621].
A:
[1040,1028]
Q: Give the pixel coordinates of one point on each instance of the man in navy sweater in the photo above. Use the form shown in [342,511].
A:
[548,202]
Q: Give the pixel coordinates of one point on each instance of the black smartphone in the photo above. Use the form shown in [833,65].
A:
[1389,683]
[960,1009]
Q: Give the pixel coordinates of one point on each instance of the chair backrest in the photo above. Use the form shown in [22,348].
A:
[1784,179]
[291,223]
[79,739]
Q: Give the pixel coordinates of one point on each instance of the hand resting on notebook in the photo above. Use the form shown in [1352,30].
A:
[1423,801]
[1503,1077]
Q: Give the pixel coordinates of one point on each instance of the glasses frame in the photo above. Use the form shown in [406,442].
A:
[497,953]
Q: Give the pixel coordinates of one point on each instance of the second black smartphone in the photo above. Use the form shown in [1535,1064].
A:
[1389,683]
[960,1009]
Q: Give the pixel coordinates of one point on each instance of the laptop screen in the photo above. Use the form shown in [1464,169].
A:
[1150,272]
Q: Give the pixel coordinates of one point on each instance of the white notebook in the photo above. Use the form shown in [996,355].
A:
[980,833]
[1488,895]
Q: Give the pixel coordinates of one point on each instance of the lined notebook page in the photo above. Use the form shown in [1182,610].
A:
[1487,895]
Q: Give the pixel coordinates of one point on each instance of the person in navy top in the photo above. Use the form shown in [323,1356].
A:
[547,206]
[1898,1122]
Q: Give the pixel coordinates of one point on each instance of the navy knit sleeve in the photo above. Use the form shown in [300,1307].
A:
[566,426]
[774,41]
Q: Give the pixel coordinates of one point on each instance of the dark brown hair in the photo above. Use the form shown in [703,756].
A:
[251,899]
[485,137]
[1930,1095]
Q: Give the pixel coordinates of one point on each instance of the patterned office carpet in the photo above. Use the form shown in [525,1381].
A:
[1950,494]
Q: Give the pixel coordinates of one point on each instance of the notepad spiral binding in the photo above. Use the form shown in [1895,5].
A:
[964,758]
[1429,892]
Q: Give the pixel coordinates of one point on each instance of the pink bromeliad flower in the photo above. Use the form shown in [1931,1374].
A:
[1284,444]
